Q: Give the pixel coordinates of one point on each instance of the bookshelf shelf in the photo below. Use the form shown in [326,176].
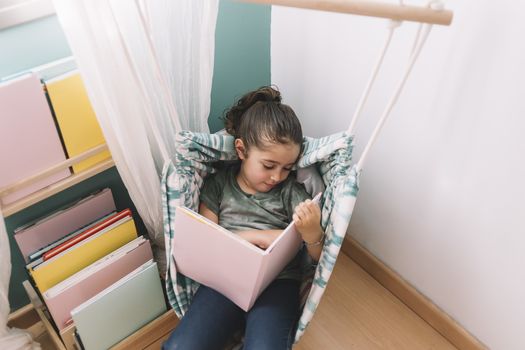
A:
[59,186]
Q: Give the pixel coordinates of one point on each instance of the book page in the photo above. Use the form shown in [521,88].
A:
[215,257]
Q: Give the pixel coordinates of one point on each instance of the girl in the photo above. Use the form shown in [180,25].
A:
[256,198]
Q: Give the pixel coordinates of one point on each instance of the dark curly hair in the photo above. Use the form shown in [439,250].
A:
[259,116]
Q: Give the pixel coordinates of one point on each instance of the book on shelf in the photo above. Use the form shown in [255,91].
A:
[29,140]
[85,234]
[74,290]
[220,259]
[37,257]
[59,267]
[121,309]
[76,119]
[37,235]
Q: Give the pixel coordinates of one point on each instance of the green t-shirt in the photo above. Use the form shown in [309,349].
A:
[240,211]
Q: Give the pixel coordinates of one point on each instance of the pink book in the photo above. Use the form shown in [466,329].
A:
[29,141]
[44,231]
[221,260]
[88,282]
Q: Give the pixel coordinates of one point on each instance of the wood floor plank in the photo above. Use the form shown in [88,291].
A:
[356,312]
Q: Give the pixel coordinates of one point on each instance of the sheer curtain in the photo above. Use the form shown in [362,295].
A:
[9,338]
[147,67]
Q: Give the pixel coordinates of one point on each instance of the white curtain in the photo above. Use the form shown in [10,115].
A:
[147,67]
[13,339]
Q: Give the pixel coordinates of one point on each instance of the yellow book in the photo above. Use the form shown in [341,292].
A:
[76,118]
[84,253]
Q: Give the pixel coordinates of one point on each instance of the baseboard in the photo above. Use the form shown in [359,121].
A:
[416,301]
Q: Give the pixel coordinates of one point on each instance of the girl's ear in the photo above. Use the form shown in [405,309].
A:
[240,149]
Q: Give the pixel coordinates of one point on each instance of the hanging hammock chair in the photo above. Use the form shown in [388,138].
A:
[197,153]
[324,162]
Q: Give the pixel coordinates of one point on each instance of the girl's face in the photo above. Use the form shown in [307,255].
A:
[264,168]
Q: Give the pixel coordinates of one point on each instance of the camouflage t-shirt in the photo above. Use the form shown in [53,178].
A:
[241,211]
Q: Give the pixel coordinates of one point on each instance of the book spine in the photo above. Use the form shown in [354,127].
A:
[82,236]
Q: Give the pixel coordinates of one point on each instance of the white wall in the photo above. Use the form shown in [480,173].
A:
[442,193]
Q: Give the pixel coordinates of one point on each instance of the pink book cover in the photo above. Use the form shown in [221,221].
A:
[55,226]
[29,140]
[88,282]
[221,260]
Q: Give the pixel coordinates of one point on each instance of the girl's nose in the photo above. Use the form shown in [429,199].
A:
[276,177]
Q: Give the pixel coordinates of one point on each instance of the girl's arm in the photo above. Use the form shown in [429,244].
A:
[207,213]
[307,217]
[261,238]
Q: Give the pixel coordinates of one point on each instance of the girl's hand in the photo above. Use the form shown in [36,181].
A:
[261,238]
[307,218]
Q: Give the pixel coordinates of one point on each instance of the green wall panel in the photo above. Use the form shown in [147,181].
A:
[31,44]
[242,55]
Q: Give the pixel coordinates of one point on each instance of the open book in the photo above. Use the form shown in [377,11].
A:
[223,261]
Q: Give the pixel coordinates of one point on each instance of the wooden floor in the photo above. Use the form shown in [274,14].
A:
[356,312]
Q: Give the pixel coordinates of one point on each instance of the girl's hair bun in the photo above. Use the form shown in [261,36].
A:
[267,94]
[259,115]
[232,117]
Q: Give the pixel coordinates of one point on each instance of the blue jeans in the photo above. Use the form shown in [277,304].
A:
[212,319]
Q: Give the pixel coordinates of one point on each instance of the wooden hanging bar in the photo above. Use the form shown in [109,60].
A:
[369,8]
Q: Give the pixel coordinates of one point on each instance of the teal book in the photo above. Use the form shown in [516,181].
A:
[121,309]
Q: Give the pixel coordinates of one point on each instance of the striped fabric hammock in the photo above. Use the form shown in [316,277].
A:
[197,153]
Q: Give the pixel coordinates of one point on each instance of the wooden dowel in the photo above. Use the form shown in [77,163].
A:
[52,189]
[52,170]
[369,8]
[18,314]
[38,305]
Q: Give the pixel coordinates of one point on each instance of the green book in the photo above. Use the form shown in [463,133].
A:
[121,309]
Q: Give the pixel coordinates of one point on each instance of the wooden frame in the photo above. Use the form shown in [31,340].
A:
[369,8]
[39,308]
[17,12]
[61,185]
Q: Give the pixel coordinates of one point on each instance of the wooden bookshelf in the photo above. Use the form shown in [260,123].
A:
[155,332]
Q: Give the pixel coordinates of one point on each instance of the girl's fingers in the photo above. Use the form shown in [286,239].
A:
[315,208]
[300,211]
[306,209]
[298,220]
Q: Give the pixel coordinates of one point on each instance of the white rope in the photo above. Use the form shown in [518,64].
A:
[419,42]
[392,25]
[364,97]
[394,98]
